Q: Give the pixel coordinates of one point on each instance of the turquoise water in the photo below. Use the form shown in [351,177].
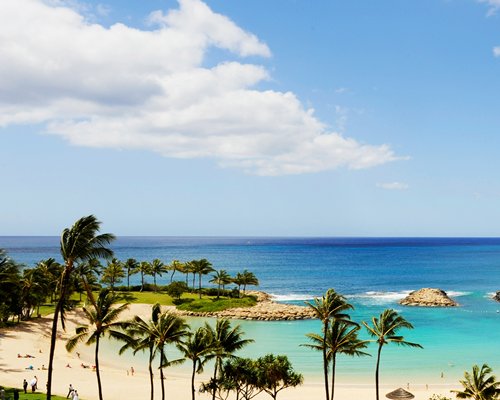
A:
[373,273]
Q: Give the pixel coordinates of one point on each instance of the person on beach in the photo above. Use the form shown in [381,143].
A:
[70,391]
[25,386]
[132,371]
[33,385]
[75,395]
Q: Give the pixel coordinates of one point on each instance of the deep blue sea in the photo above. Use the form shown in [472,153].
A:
[374,273]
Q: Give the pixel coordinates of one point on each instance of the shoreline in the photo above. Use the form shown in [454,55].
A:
[31,337]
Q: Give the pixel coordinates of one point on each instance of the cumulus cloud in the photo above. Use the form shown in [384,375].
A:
[122,87]
[393,186]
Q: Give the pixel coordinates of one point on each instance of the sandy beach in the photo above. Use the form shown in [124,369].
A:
[118,383]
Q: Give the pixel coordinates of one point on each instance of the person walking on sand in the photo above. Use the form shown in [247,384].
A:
[25,386]
[132,371]
[70,391]
[75,395]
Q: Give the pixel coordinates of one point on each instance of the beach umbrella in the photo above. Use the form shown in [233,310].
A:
[399,394]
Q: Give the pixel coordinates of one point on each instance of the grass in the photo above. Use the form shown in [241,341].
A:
[191,302]
[9,394]
[212,304]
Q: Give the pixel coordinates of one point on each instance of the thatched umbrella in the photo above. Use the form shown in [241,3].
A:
[399,394]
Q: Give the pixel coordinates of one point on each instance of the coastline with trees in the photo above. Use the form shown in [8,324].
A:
[79,278]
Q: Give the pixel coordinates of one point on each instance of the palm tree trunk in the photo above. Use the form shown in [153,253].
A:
[199,284]
[128,279]
[98,374]
[154,280]
[142,283]
[172,276]
[325,361]
[218,291]
[192,380]
[377,369]
[333,376]
[215,377]
[194,277]
[151,372]
[162,378]
[53,335]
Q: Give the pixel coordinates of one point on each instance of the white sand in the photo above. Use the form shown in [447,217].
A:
[34,338]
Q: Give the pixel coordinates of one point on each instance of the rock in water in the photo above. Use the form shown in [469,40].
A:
[428,297]
[497,296]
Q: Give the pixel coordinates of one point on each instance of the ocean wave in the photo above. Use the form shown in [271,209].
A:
[291,297]
[454,293]
[373,297]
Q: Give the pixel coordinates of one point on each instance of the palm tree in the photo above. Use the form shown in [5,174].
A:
[78,243]
[50,270]
[248,278]
[88,273]
[201,267]
[113,273]
[341,338]
[169,329]
[144,268]
[156,268]
[9,287]
[102,319]
[174,266]
[330,306]
[220,278]
[142,334]
[131,266]
[198,348]
[226,340]
[385,329]
[479,386]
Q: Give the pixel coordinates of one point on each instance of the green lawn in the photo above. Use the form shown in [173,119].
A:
[206,304]
[9,395]
[211,304]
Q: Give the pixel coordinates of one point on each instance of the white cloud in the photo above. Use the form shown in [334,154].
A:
[494,6]
[496,51]
[393,186]
[122,87]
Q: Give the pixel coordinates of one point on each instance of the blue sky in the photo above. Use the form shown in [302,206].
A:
[296,118]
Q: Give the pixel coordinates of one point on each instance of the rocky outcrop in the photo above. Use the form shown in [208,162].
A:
[496,296]
[428,297]
[264,310]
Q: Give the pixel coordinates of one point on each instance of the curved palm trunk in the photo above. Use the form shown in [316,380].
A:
[142,281]
[377,370]
[98,374]
[192,380]
[53,335]
[172,276]
[150,366]
[333,375]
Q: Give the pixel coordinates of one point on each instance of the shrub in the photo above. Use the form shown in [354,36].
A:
[176,289]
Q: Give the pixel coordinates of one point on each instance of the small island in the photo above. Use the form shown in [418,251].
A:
[428,297]
[496,296]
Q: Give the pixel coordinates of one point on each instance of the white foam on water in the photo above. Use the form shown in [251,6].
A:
[373,297]
[291,297]
[453,293]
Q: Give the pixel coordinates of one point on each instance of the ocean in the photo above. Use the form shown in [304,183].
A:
[373,273]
